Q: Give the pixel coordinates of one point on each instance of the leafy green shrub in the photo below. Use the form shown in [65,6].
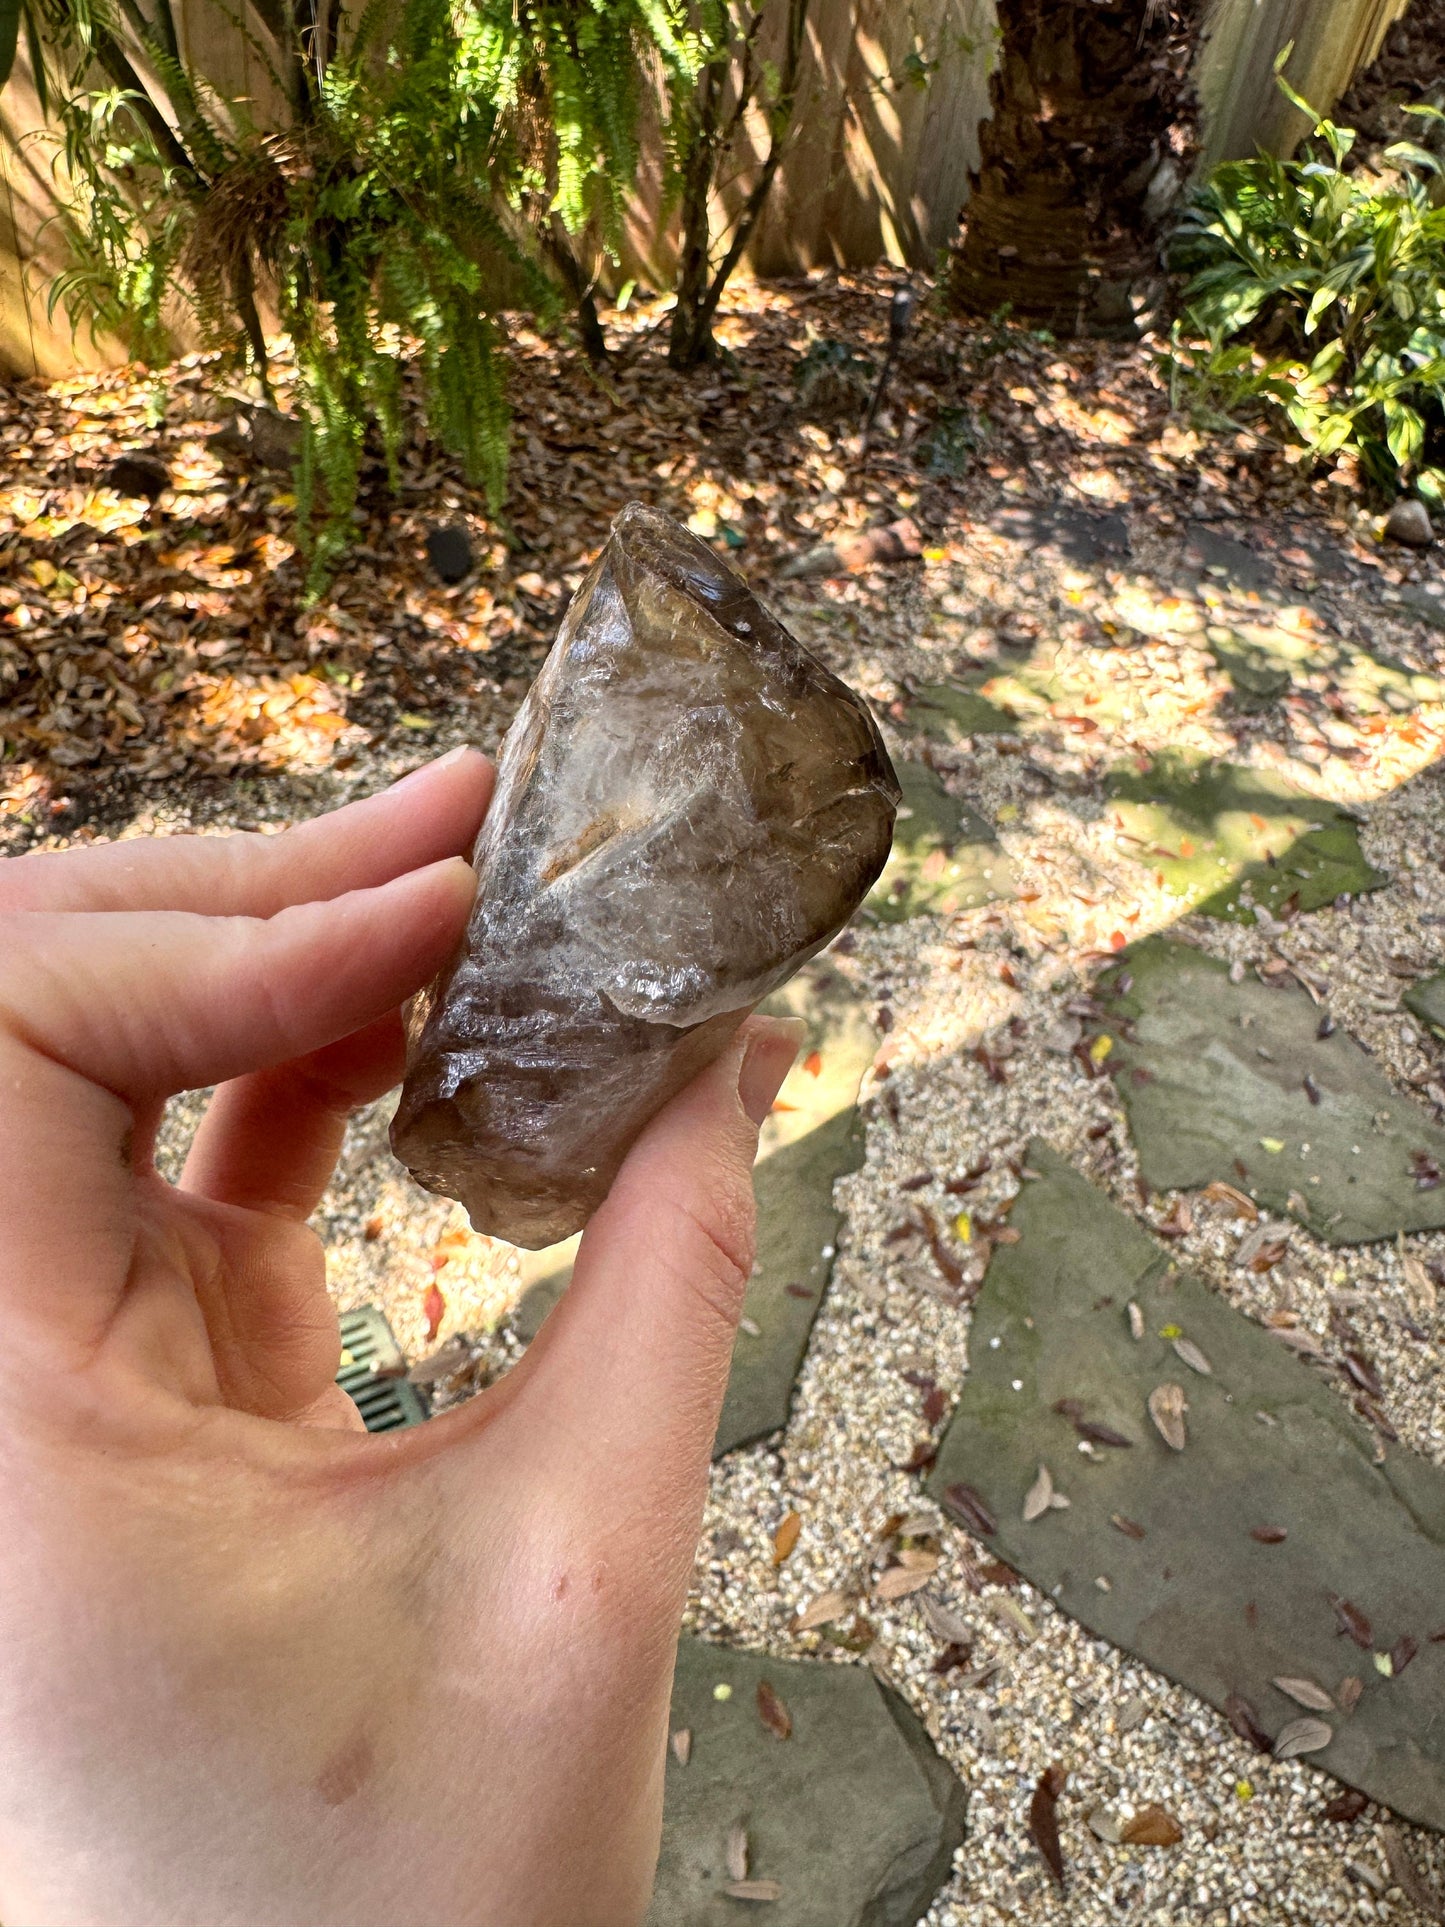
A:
[437,160]
[1318,296]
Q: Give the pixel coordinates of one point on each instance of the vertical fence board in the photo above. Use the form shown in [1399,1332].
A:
[891,97]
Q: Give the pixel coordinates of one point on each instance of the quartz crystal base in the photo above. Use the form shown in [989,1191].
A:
[687,807]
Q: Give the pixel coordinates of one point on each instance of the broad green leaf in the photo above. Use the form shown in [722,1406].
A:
[1324,297]
[1334,433]
[1326,363]
[1404,433]
[1415,155]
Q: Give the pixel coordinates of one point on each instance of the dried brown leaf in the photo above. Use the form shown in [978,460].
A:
[952,1657]
[1130,1528]
[971,1508]
[760,1890]
[1424,1294]
[1167,1406]
[1044,1821]
[1359,1368]
[1402,1652]
[943,1621]
[1152,1826]
[1345,1806]
[772,1712]
[1348,1691]
[1301,1736]
[1097,1434]
[1269,1535]
[821,1611]
[1352,1621]
[735,1851]
[1304,1692]
[1039,1497]
[1419,1891]
[1245,1721]
[786,1536]
[1010,1613]
[1193,1357]
[1299,1339]
[1241,1205]
[1253,1243]
[899,1581]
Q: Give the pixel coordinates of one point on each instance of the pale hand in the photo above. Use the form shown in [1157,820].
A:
[260,1667]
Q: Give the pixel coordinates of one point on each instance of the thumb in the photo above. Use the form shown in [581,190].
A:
[630,1369]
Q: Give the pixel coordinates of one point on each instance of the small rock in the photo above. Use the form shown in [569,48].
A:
[1408,522]
[1104,1825]
[141,476]
[258,438]
[449,550]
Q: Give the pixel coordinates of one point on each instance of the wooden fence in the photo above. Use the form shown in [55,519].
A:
[891,97]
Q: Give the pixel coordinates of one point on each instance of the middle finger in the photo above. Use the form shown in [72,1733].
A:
[269,1141]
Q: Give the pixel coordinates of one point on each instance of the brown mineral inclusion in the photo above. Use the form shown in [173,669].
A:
[688,805]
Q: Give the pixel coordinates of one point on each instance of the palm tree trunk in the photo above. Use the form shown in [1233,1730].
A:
[1091,134]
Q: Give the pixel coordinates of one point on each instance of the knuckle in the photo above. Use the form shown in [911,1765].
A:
[712,1241]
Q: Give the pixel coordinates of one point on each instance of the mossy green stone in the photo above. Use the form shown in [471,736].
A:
[945,858]
[1427,1000]
[854,1816]
[1217,1078]
[951,712]
[1224,839]
[1187,1588]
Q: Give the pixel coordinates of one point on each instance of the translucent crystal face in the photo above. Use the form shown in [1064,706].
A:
[688,805]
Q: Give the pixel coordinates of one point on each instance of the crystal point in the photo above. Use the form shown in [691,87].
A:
[688,805]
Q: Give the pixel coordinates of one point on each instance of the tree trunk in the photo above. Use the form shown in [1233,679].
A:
[557,247]
[690,335]
[1091,136]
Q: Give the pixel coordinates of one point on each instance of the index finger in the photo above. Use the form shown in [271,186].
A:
[431,814]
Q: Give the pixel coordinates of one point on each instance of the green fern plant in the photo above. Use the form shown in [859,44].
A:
[439,156]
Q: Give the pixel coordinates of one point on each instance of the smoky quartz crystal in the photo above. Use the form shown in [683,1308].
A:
[687,807]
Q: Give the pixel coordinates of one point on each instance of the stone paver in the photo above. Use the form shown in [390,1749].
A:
[1256,674]
[1212,556]
[1219,1564]
[949,713]
[854,1816]
[1225,839]
[1233,1082]
[810,1140]
[1083,537]
[1427,1000]
[945,858]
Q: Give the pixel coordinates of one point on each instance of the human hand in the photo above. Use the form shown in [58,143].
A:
[259,1666]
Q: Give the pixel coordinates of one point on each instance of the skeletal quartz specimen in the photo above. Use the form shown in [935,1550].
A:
[688,806]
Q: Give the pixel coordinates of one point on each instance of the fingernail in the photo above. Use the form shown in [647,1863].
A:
[772,1045]
[452,757]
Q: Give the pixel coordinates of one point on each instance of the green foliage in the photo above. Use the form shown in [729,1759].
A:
[1317,298]
[434,148]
